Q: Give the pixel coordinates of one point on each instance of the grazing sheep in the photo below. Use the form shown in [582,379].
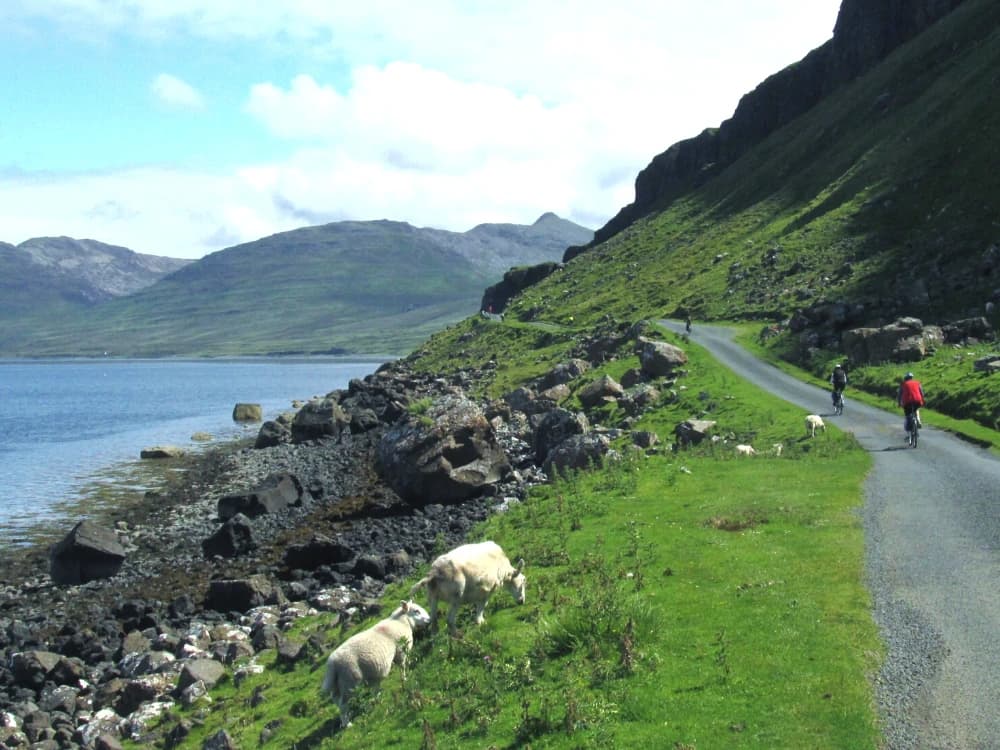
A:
[814,422]
[469,574]
[777,448]
[369,655]
[745,450]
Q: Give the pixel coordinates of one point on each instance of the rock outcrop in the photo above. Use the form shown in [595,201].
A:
[88,553]
[865,33]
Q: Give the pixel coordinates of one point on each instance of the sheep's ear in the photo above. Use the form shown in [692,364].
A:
[520,565]
[405,605]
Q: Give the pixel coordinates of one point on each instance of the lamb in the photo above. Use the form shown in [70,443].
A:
[777,447]
[745,450]
[814,422]
[369,655]
[469,574]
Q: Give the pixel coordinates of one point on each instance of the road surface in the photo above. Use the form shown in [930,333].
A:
[932,545]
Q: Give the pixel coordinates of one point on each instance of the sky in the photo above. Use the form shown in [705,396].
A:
[181,127]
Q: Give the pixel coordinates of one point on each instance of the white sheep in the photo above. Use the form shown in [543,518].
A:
[469,574]
[814,422]
[369,655]
[745,450]
[777,448]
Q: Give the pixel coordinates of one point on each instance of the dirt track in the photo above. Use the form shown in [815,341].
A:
[932,540]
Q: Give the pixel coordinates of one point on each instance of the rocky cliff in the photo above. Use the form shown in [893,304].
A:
[865,33]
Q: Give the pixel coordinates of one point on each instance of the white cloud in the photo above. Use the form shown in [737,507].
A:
[441,113]
[175,93]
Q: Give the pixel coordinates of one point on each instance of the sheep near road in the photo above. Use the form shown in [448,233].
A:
[369,655]
[745,450]
[469,574]
[814,422]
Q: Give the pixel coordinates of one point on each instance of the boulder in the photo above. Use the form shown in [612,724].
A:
[272,433]
[658,358]
[208,671]
[31,668]
[577,452]
[445,455]
[905,340]
[162,451]
[275,494]
[89,552]
[564,372]
[319,550]
[603,390]
[319,418]
[242,594]
[233,538]
[554,427]
[247,413]
[988,364]
[693,431]
[969,329]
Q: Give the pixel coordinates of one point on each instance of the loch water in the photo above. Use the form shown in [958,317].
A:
[64,424]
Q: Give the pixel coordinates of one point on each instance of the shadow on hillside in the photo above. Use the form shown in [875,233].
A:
[328,729]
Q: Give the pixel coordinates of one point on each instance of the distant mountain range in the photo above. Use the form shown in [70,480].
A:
[350,287]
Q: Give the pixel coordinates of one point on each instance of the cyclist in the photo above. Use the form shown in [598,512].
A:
[838,382]
[910,398]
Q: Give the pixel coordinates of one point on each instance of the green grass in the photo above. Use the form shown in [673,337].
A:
[676,600]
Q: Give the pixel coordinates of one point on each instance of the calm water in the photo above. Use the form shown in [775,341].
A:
[63,423]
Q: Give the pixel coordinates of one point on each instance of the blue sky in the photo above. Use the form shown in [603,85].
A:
[179,127]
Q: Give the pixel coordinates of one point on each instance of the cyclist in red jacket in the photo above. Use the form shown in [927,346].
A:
[911,397]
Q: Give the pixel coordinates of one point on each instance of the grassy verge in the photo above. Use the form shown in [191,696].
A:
[676,600]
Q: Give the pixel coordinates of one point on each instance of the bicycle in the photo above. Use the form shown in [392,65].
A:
[912,427]
[838,402]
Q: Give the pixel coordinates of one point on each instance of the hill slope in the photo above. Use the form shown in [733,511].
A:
[359,287]
[881,197]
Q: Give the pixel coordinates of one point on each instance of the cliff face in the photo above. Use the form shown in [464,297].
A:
[865,33]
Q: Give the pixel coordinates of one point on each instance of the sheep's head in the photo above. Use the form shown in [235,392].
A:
[517,583]
[418,616]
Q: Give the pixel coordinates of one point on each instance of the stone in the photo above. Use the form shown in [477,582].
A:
[242,594]
[554,427]
[448,454]
[603,390]
[272,433]
[319,418]
[232,539]
[319,550]
[693,431]
[658,358]
[162,451]
[89,552]
[577,452]
[276,493]
[247,413]
[207,671]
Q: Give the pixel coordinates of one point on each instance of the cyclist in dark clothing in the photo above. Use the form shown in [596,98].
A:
[838,382]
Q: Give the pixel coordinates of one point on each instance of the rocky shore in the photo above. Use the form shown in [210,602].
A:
[330,503]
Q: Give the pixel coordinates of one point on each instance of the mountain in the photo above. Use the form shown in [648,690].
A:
[374,287]
[876,201]
[64,273]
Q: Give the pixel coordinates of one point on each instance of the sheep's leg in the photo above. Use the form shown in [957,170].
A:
[452,613]
[480,609]
[432,610]
[345,720]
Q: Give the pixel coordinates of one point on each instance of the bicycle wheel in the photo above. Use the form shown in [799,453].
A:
[914,433]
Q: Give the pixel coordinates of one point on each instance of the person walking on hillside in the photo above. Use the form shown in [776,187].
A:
[911,397]
[687,323]
[838,382]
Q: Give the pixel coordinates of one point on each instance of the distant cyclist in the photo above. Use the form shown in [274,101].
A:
[838,382]
[911,398]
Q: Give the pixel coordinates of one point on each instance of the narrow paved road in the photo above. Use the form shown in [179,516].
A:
[932,540]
